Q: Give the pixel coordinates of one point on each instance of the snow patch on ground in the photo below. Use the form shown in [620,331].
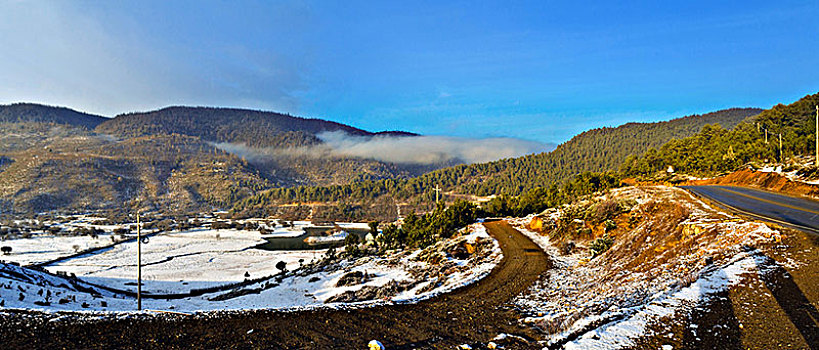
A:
[175,262]
[619,334]
[45,247]
[201,260]
[650,273]
[793,175]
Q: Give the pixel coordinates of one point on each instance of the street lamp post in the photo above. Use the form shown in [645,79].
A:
[139,264]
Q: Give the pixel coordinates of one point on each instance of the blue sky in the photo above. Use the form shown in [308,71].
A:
[539,70]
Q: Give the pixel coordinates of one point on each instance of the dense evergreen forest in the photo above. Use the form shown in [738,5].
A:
[711,151]
[715,149]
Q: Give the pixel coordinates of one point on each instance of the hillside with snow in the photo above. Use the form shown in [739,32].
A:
[671,254]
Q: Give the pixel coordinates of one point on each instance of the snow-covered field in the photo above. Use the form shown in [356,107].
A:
[45,247]
[178,262]
[652,271]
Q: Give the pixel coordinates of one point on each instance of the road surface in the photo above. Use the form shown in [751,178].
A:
[796,212]
[473,314]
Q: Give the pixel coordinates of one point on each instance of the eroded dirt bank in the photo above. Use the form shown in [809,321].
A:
[474,314]
[770,181]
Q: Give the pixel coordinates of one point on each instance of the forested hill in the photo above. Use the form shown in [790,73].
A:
[596,150]
[605,148]
[175,159]
[250,127]
[30,112]
[714,149]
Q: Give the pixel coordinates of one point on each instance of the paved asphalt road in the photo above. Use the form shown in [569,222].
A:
[798,212]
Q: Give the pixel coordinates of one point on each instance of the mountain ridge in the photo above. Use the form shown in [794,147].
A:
[171,158]
[218,124]
[35,112]
[54,158]
[20,112]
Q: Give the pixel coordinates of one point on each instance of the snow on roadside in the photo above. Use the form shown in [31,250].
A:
[476,271]
[793,175]
[407,267]
[620,334]
[605,302]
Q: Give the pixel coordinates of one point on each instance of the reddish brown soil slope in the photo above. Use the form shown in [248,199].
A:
[766,181]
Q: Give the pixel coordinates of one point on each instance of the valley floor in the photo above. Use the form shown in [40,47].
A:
[221,270]
[475,314]
[680,275]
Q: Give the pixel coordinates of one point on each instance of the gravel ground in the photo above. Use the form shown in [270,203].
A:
[774,311]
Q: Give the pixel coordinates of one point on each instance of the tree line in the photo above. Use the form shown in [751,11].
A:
[717,150]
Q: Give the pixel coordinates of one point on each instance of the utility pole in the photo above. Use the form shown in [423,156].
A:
[139,263]
[437,193]
[816,162]
[781,158]
[766,136]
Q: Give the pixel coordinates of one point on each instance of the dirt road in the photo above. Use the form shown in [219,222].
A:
[474,314]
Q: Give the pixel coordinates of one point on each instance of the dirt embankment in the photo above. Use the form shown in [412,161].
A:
[473,315]
[765,180]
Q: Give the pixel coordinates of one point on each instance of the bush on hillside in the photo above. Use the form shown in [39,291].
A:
[600,245]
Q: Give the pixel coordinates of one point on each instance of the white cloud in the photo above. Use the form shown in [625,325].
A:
[430,149]
[403,150]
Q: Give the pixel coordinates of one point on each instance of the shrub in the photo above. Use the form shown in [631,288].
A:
[604,211]
[600,245]
[351,244]
[567,247]
[392,237]
[221,225]
[566,223]
[610,225]
[121,231]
